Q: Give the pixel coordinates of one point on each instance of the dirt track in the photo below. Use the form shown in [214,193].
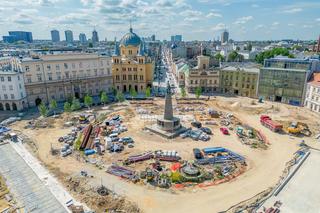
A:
[264,166]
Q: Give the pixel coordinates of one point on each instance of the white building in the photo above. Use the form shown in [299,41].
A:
[312,101]
[12,90]
[66,75]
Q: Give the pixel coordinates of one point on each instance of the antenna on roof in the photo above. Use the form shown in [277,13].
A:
[130,25]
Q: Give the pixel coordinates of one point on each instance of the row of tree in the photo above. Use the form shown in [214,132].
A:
[272,53]
[74,104]
[198,92]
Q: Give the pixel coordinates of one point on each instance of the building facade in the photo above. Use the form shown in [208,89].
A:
[312,101]
[82,38]
[201,76]
[69,36]
[95,37]
[12,90]
[224,37]
[284,80]
[131,66]
[55,36]
[65,76]
[239,81]
[18,36]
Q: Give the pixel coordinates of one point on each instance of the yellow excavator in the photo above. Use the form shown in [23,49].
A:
[296,128]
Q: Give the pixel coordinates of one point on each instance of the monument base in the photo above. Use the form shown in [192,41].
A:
[167,134]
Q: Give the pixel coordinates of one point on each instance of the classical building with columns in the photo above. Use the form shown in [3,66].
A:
[66,75]
[131,66]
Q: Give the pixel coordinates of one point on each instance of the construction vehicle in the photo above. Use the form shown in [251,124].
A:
[83,119]
[296,128]
[266,121]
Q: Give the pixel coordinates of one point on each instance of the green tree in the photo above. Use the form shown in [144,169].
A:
[148,92]
[120,96]
[272,53]
[88,101]
[249,47]
[67,107]
[198,92]
[234,56]
[133,93]
[43,110]
[53,106]
[183,92]
[75,104]
[104,98]
[219,57]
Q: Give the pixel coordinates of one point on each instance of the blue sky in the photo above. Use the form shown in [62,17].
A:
[194,19]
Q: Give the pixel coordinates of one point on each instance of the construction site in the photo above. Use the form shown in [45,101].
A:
[231,150]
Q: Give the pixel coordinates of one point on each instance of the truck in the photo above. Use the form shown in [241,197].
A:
[266,121]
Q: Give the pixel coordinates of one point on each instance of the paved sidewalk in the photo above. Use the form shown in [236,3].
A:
[27,188]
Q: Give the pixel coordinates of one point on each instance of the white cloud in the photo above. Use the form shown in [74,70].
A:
[275,23]
[212,14]
[290,25]
[243,20]
[191,13]
[318,19]
[307,26]
[254,5]
[260,26]
[293,10]
[219,27]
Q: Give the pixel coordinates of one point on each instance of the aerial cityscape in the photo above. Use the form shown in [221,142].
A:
[144,106]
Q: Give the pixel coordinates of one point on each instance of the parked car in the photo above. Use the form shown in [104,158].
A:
[197,153]
[114,137]
[195,134]
[206,130]
[204,137]
[196,124]
[185,134]
[224,130]
[126,140]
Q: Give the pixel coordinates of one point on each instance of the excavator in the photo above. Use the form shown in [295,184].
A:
[296,128]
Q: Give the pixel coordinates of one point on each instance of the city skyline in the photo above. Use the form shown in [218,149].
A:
[194,20]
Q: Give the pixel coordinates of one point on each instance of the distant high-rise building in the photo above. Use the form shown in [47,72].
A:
[55,36]
[224,37]
[318,48]
[69,36]
[153,38]
[95,38]
[82,38]
[18,36]
[176,38]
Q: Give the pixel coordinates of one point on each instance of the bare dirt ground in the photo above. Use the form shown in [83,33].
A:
[263,171]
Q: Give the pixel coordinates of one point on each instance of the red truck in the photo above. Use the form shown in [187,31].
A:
[266,121]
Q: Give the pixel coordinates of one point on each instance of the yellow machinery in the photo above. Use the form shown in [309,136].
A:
[298,128]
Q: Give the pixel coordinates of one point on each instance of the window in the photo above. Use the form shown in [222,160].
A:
[67,75]
[135,77]
[48,67]
[5,96]
[2,78]
[9,78]
[65,65]
[50,76]
[117,77]
[12,96]
[73,66]
[204,66]
[124,77]
[123,69]
[108,70]
[57,67]
[10,87]
[141,77]
[129,77]
[27,68]
[39,77]
[18,77]
[4,87]
[20,87]
[80,64]
[58,75]
[95,72]
[21,94]
[29,79]
[215,81]
[129,69]
[130,52]
[134,69]
[38,67]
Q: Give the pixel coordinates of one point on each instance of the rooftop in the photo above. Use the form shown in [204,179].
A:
[243,69]
[315,80]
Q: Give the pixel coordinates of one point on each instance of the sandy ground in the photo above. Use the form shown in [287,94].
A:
[264,166]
